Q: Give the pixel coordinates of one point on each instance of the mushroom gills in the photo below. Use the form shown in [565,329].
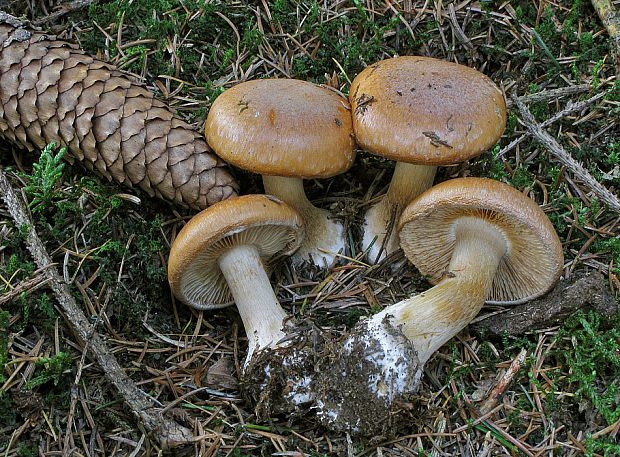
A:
[433,317]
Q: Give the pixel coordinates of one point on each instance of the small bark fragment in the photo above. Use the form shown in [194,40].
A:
[503,383]
[585,290]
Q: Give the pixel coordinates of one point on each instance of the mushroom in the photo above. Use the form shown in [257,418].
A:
[287,130]
[219,257]
[478,240]
[420,112]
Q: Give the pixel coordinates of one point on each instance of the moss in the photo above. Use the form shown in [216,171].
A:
[353,51]
[51,370]
[592,356]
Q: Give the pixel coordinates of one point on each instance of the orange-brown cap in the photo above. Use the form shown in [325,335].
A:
[282,127]
[426,111]
[533,260]
[269,224]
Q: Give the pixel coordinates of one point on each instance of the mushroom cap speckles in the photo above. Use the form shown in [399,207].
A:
[282,127]
[426,111]
[269,224]
[533,260]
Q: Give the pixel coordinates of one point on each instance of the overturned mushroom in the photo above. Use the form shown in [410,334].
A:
[479,240]
[287,130]
[420,112]
[220,256]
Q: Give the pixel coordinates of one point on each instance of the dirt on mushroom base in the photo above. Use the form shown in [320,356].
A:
[357,382]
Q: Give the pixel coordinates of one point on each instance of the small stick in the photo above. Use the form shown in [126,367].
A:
[503,383]
[25,287]
[76,381]
[168,433]
[552,93]
[64,9]
[560,154]
[570,108]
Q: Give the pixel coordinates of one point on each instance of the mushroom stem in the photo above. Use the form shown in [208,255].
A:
[436,315]
[258,306]
[408,181]
[324,237]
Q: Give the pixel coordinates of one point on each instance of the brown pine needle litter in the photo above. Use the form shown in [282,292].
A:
[552,390]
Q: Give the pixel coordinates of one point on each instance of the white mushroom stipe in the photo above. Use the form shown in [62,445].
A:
[324,237]
[408,181]
[393,375]
[258,306]
[379,357]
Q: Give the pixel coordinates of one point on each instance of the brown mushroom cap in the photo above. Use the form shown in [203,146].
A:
[282,127]
[269,224]
[533,260]
[426,111]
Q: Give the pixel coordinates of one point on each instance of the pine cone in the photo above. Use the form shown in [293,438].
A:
[50,90]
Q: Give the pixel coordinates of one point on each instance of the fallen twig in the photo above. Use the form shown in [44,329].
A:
[570,108]
[552,93]
[26,287]
[64,9]
[78,376]
[503,383]
[560,154]
[168,433]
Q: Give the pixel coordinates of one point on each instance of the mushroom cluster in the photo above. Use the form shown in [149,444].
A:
[478,240]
